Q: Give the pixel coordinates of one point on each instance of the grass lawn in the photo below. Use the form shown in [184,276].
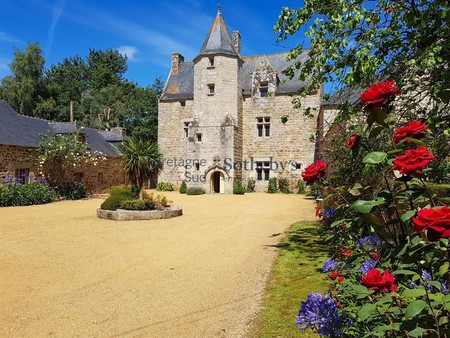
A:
[295,274]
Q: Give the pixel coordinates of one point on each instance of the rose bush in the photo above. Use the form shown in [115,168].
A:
[353,141]
[389,234]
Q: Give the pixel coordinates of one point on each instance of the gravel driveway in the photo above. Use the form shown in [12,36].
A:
[65,273]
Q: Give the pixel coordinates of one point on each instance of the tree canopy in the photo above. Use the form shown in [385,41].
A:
[357,43]
[94,88]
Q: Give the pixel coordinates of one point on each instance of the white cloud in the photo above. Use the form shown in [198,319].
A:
[57,12]
[4,37]
[128,51]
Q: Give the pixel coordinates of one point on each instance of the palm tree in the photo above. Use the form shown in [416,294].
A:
[140,160]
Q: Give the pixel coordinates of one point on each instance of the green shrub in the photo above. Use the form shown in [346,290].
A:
[238,188]
[136,205]
[301,187]
[283,185]
[123,190]
[272,188]
[195,191]
[183,187]
[251,185]
[164,186]
[13,193]
[114,202]
[69,190]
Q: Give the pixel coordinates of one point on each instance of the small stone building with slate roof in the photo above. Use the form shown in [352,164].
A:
[226,117]
[19,134]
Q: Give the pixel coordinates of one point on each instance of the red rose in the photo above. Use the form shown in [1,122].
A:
[412,129]
[344,252]
[413,161]
[436,222]
[341,279]
[381,282]
[334,274]
[353,141]
[380,94]
[314,172]
[375,256]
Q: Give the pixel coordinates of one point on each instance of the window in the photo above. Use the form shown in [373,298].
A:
[100,177]
[211,62]
[298,166]
[199,137]
[23,175]
[263,126]
[211,89]
[186,129]
[183,103]
[262,171]
[263,89]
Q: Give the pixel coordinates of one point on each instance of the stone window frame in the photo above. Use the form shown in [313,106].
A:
[262,169]
[263,126]
[23,174]
[186,128]
[264,89]
[100,177]
[211,89]
[198,137]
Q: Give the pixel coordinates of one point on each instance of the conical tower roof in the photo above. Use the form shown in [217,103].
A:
[218,40]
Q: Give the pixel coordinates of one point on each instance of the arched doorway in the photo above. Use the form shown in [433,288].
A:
[217,182]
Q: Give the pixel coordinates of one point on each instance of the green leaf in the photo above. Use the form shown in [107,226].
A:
[356,189]
[372,220]
[414,293]
[404,272]
[366,311]
[413,140]
[365,207]
[443,320]
[443,268]
[407,215]
[374,157]
[375,132]
[417,332]
[414,308]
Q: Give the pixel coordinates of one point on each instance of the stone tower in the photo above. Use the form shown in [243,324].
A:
[225,117]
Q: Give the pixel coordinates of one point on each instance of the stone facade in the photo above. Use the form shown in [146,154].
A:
[225,117]
[17,161]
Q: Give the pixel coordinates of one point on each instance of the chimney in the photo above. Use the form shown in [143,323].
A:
[177,59]
[237,41]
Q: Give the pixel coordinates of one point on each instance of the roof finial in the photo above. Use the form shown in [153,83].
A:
[219,9]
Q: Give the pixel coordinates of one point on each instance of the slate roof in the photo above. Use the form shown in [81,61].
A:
[347,94]
[218,40]
[20,130]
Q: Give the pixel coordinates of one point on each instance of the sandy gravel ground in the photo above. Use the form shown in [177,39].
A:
[65,273]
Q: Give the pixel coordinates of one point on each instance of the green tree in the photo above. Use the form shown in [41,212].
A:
[105,68]
[357,43]
[25,89]
[140,160]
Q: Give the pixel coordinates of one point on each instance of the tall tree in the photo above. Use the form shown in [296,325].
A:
[25,89]
[105,68]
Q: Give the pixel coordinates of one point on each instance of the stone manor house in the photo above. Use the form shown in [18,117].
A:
[226,117]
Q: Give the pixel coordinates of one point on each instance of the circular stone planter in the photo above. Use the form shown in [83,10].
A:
[131,215]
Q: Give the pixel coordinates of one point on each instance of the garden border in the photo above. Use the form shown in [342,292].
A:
[132,215]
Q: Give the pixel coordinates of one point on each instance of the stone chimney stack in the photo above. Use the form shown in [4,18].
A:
[237,41]
[177,59]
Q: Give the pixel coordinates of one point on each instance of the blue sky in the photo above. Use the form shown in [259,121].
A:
[147,31]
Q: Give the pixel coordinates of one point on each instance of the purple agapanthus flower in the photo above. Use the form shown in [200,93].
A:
[328,213]
[367,265]
[330,265]
[322,314]
[371,240]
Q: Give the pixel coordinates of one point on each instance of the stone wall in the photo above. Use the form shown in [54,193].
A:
[97,179]
[291,145]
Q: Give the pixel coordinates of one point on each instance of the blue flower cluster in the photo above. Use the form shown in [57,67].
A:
[328,213]
[371,240]
[322,314]
[367,265]
[330,265]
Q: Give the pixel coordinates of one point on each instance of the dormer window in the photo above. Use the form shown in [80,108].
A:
[263,89]
[211,63]
[211,89]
